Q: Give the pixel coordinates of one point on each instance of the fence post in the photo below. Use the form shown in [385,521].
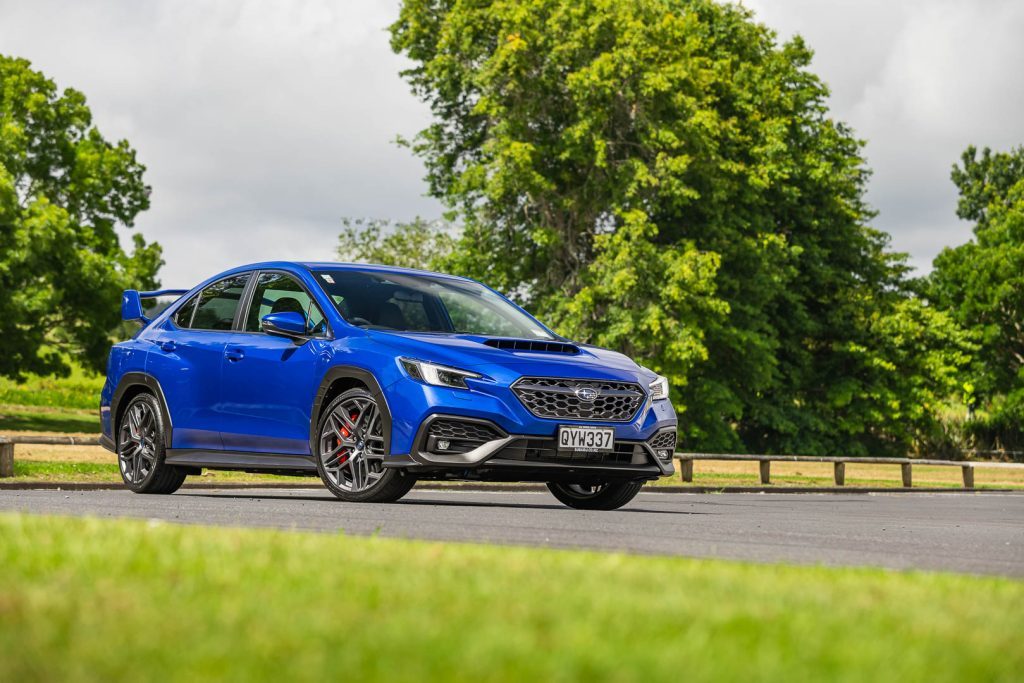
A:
[840,471]
[968,471]
[6,457]
[766,471]
[907,481]
[686,469]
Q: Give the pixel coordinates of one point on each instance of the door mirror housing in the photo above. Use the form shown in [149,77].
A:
[287,324]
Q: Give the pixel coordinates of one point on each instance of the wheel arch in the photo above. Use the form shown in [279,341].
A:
[341,378]
[131,385]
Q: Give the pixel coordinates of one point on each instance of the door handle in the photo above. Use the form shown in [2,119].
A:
[168,346]
[234,355]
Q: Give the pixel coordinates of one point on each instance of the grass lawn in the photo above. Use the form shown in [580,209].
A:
[89,600]
[17,418]
[66,472]
[79,390]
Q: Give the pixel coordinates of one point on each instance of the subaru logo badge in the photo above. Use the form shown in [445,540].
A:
[587,394]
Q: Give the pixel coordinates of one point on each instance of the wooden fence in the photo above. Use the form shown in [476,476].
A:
[686,461]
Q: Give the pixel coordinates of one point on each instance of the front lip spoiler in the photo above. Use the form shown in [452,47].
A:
[487,454]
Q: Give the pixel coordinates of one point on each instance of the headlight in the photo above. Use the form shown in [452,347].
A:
[659,388]
[436,375]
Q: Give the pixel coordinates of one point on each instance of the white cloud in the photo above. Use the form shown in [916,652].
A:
[262,123]
[920,81]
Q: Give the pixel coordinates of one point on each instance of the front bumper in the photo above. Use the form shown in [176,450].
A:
[412,404]
[491,453]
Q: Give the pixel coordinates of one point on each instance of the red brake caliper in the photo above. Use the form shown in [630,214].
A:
[345,433]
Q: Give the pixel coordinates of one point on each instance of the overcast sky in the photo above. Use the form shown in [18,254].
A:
[263,123]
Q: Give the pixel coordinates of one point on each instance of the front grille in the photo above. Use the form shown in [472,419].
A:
[557,398]
[532,345]
[546,451]
[663,440]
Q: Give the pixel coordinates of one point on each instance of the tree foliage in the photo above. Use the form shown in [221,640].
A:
[662,176]
[63,191]
[981,283]
[419,244]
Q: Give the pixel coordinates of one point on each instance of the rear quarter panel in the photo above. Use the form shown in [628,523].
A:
[129,356]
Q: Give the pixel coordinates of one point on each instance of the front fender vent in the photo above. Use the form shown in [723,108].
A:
[532,345]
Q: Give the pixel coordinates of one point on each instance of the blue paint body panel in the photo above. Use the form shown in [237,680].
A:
[254,392]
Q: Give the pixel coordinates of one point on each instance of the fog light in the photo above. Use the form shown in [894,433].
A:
[664,454]
[443,444]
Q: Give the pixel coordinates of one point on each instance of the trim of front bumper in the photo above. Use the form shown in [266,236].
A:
[489,454]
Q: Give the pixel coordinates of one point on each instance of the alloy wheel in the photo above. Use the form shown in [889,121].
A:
[352,445]
[136,444]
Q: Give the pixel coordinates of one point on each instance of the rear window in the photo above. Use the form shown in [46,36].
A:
[214,308]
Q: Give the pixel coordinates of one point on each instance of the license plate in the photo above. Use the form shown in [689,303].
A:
[587,439]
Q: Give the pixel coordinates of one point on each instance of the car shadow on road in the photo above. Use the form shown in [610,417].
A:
[328,498]
[541,506]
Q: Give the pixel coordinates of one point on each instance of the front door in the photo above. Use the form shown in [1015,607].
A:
[269,382]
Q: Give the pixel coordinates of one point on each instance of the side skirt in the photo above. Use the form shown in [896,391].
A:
[240,460]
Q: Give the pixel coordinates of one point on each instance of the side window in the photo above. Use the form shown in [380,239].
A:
[183,318]
[280,293]
[216,305]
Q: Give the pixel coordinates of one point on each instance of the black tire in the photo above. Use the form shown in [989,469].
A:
[140,449]
[609,496]
[359,450]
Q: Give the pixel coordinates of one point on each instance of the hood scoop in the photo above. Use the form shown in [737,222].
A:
[532,345]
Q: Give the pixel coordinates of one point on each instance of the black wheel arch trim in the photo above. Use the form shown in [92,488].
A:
[339,372]
[136,379]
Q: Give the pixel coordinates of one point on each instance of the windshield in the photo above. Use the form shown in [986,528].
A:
[421,303]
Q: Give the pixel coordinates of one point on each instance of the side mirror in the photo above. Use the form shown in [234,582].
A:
[288,324]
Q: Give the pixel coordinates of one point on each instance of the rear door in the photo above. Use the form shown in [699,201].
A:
[269,382]
[188,359]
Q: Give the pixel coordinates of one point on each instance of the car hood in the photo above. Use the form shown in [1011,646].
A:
[469,351]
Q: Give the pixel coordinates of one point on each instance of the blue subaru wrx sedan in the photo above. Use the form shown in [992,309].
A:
[373,378]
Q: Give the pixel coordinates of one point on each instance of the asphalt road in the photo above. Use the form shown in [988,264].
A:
[975,533]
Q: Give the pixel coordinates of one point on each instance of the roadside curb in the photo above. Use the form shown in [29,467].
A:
[507,488]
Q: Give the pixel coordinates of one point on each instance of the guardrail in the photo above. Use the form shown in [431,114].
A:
[686,461]
[7,447]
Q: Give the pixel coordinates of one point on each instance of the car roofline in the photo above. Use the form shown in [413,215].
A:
[379,268]
[336,265]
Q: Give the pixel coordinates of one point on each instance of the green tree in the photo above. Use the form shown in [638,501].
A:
[63,191]
[663,176]
[981,283]
[419,244]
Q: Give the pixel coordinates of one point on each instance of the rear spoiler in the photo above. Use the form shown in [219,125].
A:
[131,302]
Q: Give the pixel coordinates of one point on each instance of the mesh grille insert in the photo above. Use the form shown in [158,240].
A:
[663,440]
[610,401]
[463,436]
[546,450]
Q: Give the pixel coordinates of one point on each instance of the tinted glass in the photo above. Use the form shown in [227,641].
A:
[217,304]
[421,303]
[183,318]
[279,293]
